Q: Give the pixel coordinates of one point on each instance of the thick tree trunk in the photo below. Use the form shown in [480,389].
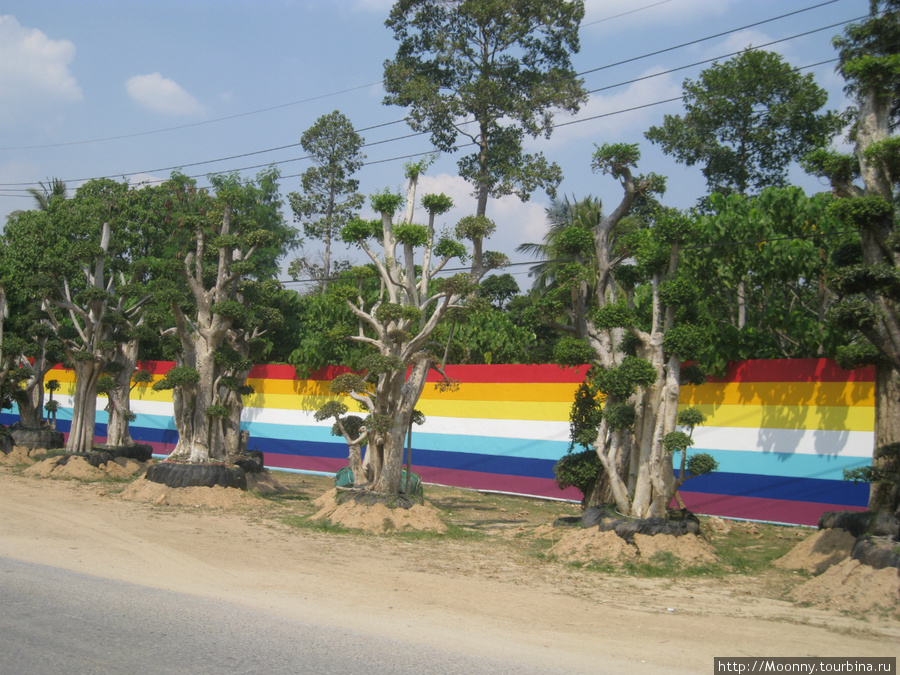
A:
[231,426]
[118,430]
[84,410]
[201,442]
[31,406]
[356,464]
[885,496]
[400,394]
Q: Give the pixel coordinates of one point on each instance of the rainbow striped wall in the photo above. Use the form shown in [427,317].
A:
[781,431]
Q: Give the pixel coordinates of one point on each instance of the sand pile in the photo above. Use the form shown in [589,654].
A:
[852,587]
[818,552]
[143,490]
[264,483]
[590,545]
[378,518]
[20,455]
[73,466]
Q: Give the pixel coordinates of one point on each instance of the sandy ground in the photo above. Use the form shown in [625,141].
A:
[453,594]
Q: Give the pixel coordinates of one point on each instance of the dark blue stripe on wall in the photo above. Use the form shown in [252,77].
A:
[780,487]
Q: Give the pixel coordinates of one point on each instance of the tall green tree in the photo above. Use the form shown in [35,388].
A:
[66,258]
[745,121]
[329,198]
[397,324]
[636,323]
[867,276]
[488,73]
[773,249]
[218,287]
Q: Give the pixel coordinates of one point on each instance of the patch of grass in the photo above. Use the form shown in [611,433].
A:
[320,525]
[662,564]
[453,532]
[751,550]
[279,497]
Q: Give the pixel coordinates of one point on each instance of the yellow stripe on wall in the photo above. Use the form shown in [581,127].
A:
[841,418]
[474,391]
[780,393]
[500,410]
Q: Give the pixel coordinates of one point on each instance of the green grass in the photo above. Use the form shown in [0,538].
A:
[746,553]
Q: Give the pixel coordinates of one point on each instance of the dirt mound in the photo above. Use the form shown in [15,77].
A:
[818,552]
[77,467]
[852,587]
[264,483]
[65,467]
[143,490]
[378,518]
[17,456]
[592,545]
[690,549]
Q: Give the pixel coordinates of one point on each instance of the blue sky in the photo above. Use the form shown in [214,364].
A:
[121,87]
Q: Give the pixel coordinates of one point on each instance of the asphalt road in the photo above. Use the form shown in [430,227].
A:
[56,621]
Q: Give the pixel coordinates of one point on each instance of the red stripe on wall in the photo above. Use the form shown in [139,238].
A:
[793,370]
[524,485]
[494,374]
[753,508]
[771,370]
[513,374]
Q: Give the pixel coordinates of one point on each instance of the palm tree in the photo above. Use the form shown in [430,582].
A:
[561,215]
[54,189]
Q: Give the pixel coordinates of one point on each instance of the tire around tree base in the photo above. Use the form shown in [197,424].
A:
[878,552]
[141,452]
[176,475]
[676,523]
[37,437]
[858,523]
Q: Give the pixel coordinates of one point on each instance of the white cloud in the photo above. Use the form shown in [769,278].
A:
[619,115]
[163,95]
[517,222]
[34,71]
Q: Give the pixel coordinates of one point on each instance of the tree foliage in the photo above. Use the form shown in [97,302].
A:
[330,196]
[745,121]
[490,72]
[867,277]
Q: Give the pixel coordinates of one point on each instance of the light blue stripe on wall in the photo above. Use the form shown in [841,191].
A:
[785,464]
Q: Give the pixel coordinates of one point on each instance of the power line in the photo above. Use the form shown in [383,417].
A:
[704,39]
[4,186]
[192,124]
[262,110]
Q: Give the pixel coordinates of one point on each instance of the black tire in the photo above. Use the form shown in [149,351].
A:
[877,552]
[676,523]
[858,523]
[251,461]
[141,452]
[177,475]
[42,437]
[6,441]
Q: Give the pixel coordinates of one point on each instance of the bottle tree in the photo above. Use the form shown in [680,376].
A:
[227,242]
[67,257]
[397,325]
[636,324]
[866,275]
